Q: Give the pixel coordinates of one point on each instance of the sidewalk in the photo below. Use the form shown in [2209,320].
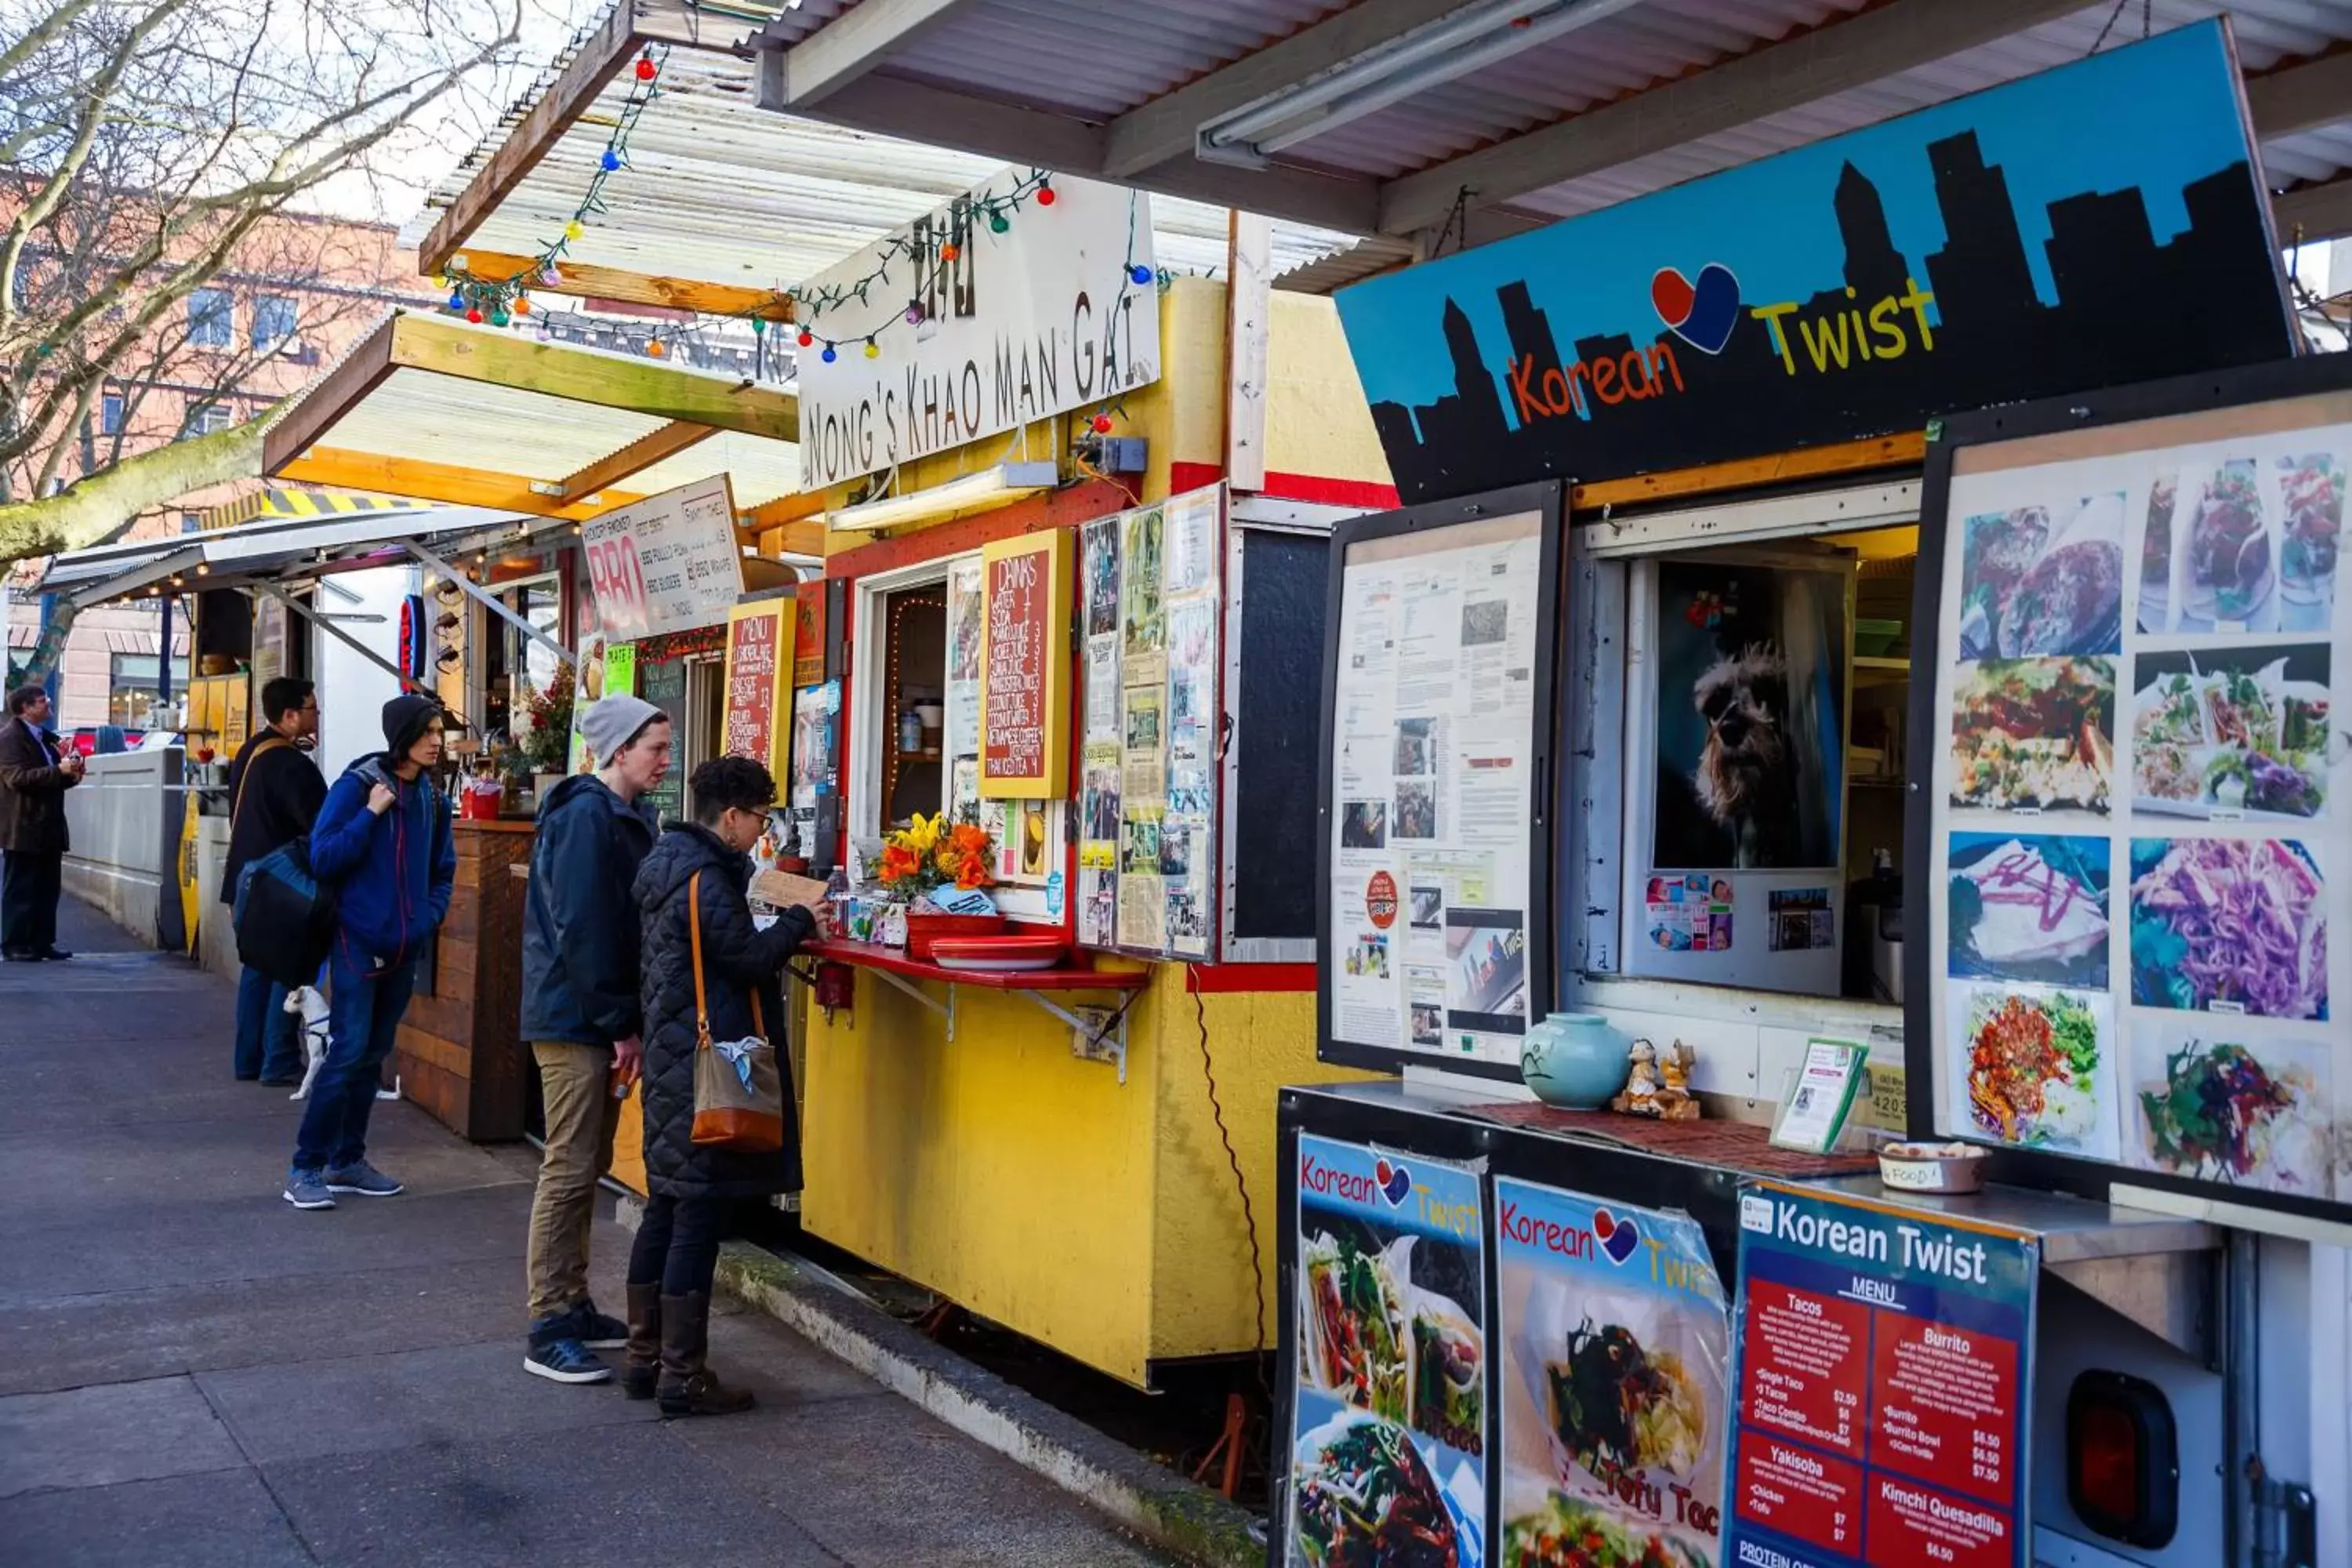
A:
[193,1372]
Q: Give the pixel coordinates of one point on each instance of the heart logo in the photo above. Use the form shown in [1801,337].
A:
[1395,1181]
[1703,313]
[1619,1238]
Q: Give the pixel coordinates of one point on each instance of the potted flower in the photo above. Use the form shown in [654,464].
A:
[547,744]
[928,856]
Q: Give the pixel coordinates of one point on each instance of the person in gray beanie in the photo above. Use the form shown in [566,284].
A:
[581,1014]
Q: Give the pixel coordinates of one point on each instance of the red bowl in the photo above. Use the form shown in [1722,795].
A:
[998,951]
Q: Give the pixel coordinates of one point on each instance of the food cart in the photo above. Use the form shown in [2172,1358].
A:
[1686,776]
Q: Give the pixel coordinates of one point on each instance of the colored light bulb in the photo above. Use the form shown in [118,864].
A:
[1139,273]
[610,160]
[1046,195]
[829,356]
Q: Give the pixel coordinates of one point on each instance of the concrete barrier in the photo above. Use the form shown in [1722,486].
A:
[125,821]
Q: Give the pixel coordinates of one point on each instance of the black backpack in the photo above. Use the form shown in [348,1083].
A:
[285,916]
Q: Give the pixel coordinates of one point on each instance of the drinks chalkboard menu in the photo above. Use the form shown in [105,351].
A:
[1024,667]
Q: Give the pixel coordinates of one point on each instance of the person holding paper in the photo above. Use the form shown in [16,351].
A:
[581,1015]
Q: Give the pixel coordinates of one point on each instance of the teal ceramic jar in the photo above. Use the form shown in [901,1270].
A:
[1579,1061]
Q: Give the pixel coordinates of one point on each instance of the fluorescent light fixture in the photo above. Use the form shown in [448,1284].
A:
[1470,39]
[1004,483]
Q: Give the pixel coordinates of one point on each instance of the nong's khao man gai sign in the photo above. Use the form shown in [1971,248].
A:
[1023,324]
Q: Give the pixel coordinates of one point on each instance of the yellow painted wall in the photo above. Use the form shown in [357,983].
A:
[998,1169]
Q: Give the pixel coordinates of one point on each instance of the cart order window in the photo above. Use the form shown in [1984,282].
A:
[914,699]
[1764,689]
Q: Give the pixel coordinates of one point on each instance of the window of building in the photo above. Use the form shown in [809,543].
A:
[275,319]
[515,666]
[206,419]
[133,687]
[110,414]
[1741,825]
[210,318]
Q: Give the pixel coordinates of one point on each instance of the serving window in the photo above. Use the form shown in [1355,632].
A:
[1738,687]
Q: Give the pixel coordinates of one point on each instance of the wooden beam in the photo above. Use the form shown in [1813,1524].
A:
[587,280]
[1807,462]
[328,400]
[784,510]
[1249,305]
[896,107]
[445,482]
[2313,213]
[641,386]
[2300,97]
[637,456]
[1874,44]
[1166,127]
[598,59]
[854,43]
[793,539]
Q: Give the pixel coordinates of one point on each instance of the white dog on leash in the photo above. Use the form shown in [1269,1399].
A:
[307,1003]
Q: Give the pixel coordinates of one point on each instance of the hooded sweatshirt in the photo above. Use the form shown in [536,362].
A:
[393,874]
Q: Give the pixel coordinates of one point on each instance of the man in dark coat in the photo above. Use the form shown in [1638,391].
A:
[701,868]
[34,777]
[581,1014]
[275,790]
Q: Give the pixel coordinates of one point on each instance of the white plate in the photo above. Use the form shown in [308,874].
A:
[1050,961]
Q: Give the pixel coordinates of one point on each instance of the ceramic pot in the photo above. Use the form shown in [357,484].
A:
[1579,1061]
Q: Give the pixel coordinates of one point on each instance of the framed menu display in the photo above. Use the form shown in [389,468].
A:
[1434,796]
[1150,597]
[2131,818]
[1024,749]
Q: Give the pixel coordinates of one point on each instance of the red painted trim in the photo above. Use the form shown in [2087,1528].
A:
[1215,979]
[1310,488]
[1332,493]
[1056,508]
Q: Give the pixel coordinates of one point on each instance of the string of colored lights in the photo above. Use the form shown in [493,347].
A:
[500,299]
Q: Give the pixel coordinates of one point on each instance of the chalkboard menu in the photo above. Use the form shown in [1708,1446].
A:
[663,684]
[1024,667]
[755,646]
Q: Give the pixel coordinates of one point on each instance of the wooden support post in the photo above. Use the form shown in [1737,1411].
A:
[1249,302]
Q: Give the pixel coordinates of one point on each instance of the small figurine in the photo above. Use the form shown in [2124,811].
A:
[1644,1095]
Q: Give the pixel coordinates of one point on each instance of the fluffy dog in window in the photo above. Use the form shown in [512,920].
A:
[1747,775]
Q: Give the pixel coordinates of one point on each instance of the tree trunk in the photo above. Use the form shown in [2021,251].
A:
[88,511]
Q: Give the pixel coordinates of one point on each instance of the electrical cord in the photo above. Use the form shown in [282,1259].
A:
[1234,1159]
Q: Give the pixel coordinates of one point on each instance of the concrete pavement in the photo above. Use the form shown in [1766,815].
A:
[193,1372]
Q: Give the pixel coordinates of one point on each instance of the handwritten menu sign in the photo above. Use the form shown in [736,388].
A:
[667,563]
[1025,666]
[755,643]
[1883,1357]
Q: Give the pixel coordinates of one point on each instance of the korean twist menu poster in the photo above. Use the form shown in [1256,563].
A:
[1883,1359]
[2136,852]
[1431,793]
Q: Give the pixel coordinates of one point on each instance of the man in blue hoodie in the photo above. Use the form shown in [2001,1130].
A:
[384,840]
[581,1014]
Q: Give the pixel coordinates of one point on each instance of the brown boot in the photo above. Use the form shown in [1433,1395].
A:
[641,1363]
[687,1386]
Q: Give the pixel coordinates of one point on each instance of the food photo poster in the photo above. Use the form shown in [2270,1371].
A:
[1388,1431]
[2139,848]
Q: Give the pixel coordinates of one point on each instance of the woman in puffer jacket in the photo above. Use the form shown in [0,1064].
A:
[690,1186]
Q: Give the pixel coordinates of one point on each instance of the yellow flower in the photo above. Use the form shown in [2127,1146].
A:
[923,832]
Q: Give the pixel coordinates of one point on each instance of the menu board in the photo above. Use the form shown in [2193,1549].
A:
[1388,1397]
[1151,627]
[667,563]
[755,654]
[1432,792]
[2136,841]
[1615,1349]
[1024,749]
[661,683]
[1882,1358]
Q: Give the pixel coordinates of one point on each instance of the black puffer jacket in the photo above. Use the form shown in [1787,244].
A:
[736,958]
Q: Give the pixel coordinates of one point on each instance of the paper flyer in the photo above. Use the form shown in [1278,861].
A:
[1433,789]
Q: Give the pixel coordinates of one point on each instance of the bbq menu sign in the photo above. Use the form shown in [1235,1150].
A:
[1025,689]
[1882,1358]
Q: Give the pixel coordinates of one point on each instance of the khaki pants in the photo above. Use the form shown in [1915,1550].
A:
[575,1081]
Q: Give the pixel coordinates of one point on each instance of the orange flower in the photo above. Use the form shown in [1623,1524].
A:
[896,862]
[972,874]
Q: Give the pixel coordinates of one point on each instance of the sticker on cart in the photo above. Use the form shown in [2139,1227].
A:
[1615,1346]
[1390,1322]
[1882,1358]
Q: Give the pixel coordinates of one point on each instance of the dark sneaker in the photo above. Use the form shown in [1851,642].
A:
[363,1179]
[598,1330]
[308,1190]
[20,955]
[53,953]
[566,1361]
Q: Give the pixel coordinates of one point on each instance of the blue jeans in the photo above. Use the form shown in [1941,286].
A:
[362,1015]
[266,1041]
